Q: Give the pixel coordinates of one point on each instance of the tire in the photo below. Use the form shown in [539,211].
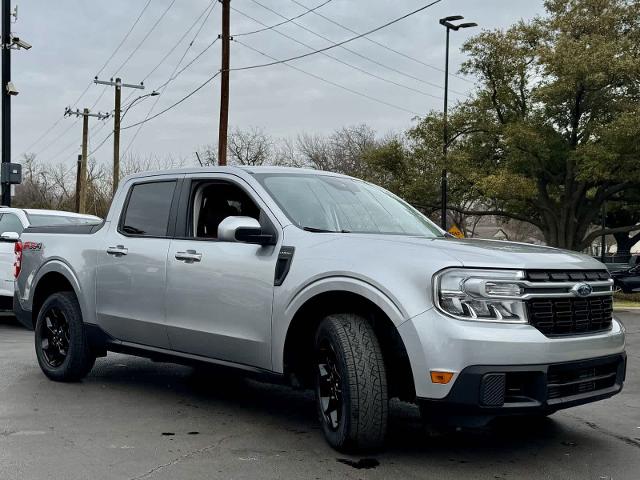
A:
[61,344]
[351,384]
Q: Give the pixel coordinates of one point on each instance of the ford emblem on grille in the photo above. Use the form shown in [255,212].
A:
[582,290]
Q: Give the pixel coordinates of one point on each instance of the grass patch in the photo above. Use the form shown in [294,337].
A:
[626,299]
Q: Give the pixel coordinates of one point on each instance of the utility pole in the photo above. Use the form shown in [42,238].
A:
[81,182]
[224,83]
[116,123]
[446,22]
[78,182]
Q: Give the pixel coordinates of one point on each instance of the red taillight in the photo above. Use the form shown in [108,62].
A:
[17,264]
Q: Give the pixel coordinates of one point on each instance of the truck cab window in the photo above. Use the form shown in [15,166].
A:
[147,209]
[213,202]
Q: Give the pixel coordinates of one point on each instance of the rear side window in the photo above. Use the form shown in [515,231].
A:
[10,223]
[148,209]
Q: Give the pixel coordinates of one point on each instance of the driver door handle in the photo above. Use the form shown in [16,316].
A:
[117,250]
[189,256]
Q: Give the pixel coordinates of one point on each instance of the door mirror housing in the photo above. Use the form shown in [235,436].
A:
[10,237]
[245,230]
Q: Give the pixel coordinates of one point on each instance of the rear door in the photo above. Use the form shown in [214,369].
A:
[9,222]
[131,276]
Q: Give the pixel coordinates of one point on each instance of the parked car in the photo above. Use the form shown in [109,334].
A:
[628,281]
[13,221]
[325,282]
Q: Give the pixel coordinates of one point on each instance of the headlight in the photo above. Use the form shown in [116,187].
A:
[481,295]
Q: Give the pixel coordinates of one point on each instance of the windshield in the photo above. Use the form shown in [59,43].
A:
[336,204]
[39,220]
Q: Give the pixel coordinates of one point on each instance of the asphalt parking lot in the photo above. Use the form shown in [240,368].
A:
[135,419]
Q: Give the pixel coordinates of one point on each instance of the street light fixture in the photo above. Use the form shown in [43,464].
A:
[152,94]
[446,22]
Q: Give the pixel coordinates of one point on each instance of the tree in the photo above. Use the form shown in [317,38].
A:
[343,151]
[251,147]
[551,132]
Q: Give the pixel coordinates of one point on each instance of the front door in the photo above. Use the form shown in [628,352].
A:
[131,276]
[220,294]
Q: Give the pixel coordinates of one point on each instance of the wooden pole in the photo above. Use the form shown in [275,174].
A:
[83,164]
[116,136]
[224,83]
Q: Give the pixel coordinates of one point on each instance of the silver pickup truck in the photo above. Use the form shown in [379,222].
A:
[325,282]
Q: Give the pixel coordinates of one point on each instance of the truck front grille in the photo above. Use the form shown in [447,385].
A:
[564,316]
[555,310]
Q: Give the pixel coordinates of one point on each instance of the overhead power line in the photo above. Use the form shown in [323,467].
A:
[204,84]
[56,139]
[147,35]
[330,82]
[210,7]
[173,75]
[380,44]
[356,53]
[124,39]
[84,92]
[104,140]
[287,20]
[193,60]
[355,67]
[343,42]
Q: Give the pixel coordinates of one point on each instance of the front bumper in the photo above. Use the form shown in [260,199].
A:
[524,389]
[436,342]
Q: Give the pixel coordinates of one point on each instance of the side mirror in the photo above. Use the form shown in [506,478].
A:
[10,237]
[243,229]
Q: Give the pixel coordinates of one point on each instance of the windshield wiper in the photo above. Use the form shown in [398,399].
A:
[322,230]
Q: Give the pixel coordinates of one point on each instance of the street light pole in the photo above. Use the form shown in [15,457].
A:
[445,146]
[6,96]
[446,22]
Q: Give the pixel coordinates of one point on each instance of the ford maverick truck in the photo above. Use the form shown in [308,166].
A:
[325,282]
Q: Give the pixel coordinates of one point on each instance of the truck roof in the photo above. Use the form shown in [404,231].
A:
[242,169]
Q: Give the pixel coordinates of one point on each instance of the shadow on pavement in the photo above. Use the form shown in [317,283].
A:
[294,411]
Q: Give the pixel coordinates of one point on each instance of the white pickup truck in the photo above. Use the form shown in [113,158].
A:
[326,282]
[12,223]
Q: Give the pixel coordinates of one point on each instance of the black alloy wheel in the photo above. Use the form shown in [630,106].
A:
[62,347]
[329,385]
[54,335]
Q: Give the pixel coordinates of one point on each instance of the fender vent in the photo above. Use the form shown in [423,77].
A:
[283,264]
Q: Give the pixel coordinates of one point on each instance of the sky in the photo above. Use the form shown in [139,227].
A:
[74,40]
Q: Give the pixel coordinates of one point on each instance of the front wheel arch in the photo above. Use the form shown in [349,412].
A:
[299,342]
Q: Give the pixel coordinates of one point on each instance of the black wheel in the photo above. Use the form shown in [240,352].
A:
[62,349]
[351,383]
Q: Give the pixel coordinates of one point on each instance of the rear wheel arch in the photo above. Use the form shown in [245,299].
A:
[48,284]
[300,338]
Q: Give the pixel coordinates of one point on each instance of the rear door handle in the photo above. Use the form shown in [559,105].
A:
[117,250]
[189,256]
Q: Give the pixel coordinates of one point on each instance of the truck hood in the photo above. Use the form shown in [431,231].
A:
[495,253]
[467,252]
